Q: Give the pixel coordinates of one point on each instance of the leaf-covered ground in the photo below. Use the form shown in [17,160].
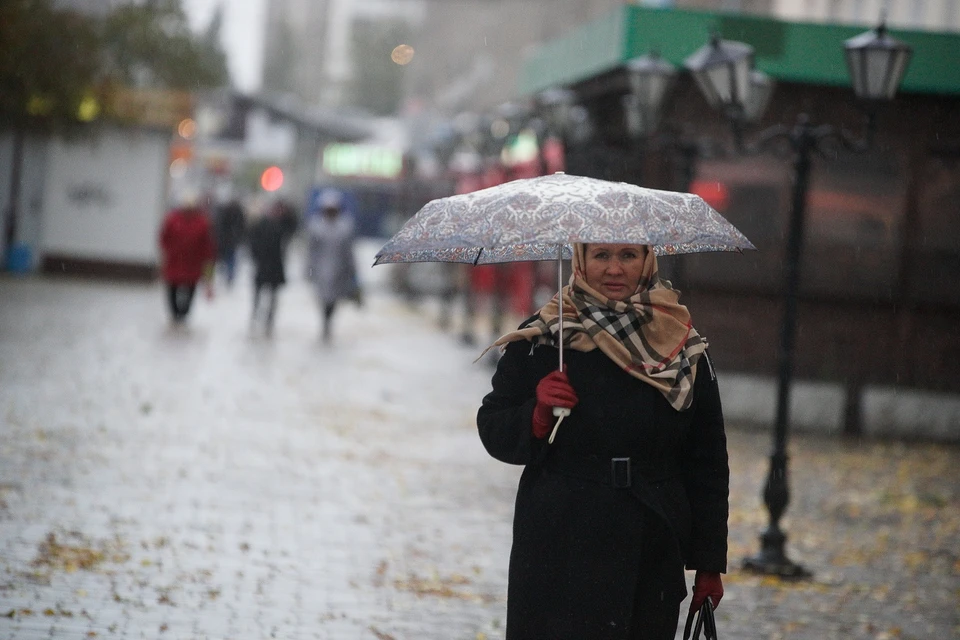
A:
[878,524]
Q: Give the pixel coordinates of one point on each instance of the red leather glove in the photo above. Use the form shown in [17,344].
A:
[706,584]
[553,390]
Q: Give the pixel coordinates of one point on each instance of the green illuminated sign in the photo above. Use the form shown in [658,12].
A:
[364,161]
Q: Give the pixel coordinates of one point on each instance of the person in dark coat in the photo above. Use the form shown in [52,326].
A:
[230,225]
[289,218]
[268,243]
[187,252]
[632,487]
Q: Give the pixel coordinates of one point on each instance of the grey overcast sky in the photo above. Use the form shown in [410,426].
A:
[242,34]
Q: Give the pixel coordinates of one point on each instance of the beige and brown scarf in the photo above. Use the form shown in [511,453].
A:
[649,335]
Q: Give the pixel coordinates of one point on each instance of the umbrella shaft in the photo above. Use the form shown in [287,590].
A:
[560,297]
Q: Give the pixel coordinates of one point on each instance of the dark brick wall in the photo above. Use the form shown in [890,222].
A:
[835,340]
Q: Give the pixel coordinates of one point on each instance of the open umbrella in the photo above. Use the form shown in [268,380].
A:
[540,218]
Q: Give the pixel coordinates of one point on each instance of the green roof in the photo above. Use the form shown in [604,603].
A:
[788,51]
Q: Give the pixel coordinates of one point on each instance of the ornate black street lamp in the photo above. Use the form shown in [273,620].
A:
[651,78]
[466,158]
[877,64]
[553,106]
[507,122]
[558,115]
[552,109]
[554,112]
[723,70]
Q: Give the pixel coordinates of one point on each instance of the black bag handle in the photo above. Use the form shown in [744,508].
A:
[705,621]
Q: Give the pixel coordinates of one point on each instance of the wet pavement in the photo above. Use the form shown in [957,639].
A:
[209,482]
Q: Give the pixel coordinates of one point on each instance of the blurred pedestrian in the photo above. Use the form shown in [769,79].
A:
[268,241]
[289,218]
[634,487]
[188,254]
[230,224]
[330,260]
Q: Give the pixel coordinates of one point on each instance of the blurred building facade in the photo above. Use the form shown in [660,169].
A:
[467,54]
[92,203]
[880,283]
[932,15]
[95,7]
[460,68]
[238,136]
[316,49]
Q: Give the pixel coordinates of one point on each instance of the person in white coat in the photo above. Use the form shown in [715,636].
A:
[330,261]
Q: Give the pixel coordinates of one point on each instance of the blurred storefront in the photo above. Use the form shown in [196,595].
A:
[239,136]
[92,202]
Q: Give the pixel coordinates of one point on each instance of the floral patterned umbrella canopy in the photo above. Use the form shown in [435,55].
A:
[539,218]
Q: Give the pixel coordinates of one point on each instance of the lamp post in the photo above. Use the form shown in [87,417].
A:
[506,123]
[651,78]
[553,108]
[722,69]
[553,112]
[466,162]
[564,119]
[556,118]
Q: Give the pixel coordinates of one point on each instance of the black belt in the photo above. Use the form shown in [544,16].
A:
[619,473]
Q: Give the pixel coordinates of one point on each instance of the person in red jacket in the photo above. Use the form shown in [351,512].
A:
[188,254]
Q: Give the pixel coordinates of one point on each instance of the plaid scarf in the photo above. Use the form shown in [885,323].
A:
[649,335]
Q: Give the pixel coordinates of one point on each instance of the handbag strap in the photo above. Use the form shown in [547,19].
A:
[705,620]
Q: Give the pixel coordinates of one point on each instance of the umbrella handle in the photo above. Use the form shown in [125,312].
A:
[561,413]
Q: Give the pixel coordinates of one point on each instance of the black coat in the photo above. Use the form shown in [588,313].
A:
[589,559]
[230,227]
[268,243]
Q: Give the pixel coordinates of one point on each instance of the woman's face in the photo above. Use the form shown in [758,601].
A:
[614,269]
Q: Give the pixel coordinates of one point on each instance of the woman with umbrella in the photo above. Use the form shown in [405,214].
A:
[633,489]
